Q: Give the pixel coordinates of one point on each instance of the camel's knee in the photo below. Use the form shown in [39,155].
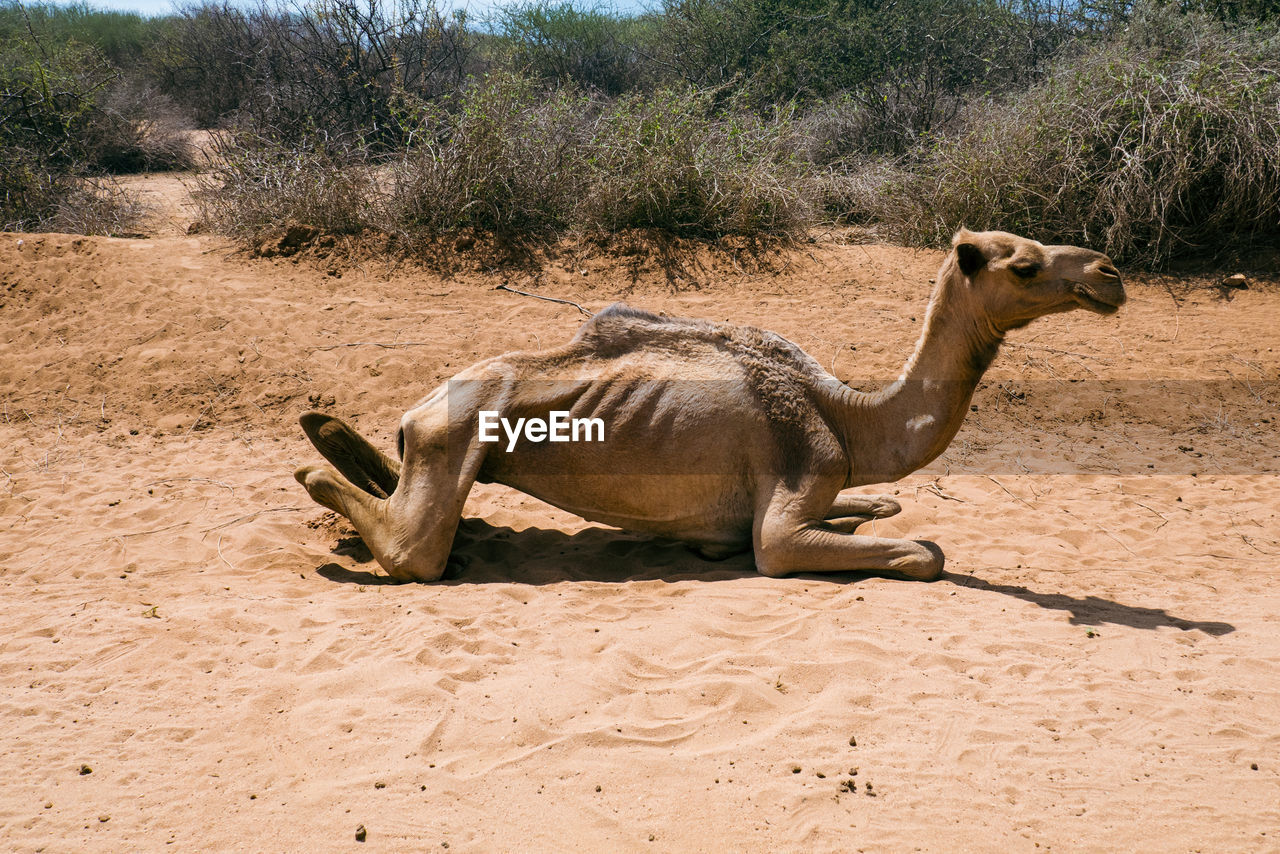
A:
[407,568]
[422,429]
[775,558]
[923,561]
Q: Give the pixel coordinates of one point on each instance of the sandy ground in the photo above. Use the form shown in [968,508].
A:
[194,655]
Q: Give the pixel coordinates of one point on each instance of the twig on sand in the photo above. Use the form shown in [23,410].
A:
[1102,529]
[1247,364]
[1177,310]
[246,518]
[1155,511]
[193,424]
[1249,542]
[1118,541]
[548,299]
[393,345]
[224,560]
[145,533]
[1058,351]
[1007,492]
[933,487]
[1079,357]
[195,479]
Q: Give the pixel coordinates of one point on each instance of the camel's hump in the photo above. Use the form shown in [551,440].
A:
[782,375]
[621,320]
[620,329]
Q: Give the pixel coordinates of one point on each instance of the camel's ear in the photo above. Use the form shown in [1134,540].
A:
[970,257]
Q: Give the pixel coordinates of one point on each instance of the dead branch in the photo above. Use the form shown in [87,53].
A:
[548,299]
[246,518]
[392,346]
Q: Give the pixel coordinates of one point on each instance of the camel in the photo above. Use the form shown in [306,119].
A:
[726,437]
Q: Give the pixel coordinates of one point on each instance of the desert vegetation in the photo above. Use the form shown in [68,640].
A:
[1147,130]
[71,117]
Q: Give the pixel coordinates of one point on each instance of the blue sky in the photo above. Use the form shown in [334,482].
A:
[146,7]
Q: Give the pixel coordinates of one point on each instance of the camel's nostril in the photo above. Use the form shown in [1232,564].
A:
[1108,270]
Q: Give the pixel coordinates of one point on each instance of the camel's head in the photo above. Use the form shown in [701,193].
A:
[1017,280]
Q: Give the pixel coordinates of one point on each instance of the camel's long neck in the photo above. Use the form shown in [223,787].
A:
[895,431]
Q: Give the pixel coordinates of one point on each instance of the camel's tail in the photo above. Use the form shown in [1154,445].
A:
[351,454]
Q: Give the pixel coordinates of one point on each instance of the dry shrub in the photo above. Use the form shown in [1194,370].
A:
[876,121]
[671,160]
[96,206]
[40,197]
[136,128]
[260,184]
[859,192]
[509,156]
[286,67]
[1158,145]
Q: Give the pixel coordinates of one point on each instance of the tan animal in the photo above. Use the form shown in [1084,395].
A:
[726,437]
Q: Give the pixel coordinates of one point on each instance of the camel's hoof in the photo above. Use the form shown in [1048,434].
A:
[331,436]
[313,423]
[356,460]
[320,484]
[882,507]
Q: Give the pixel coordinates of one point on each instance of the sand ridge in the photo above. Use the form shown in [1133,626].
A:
[1099,669]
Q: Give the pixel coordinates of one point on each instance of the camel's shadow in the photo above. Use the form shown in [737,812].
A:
[483,553]
[489,554]
[1094,610]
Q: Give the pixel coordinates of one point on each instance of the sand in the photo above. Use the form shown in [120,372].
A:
[196,657]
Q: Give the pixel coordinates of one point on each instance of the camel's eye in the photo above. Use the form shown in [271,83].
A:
[1025,271]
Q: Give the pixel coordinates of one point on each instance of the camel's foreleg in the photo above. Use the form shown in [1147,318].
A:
[871,506]
[847,512]
[788,539]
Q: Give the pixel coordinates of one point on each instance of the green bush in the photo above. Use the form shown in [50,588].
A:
[49,132]
[902,64]
[1162,143]
[123,38]
[507,156]
[591,47]
[68,119]
[671,160]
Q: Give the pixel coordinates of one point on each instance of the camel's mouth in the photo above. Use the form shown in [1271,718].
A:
[1089,299]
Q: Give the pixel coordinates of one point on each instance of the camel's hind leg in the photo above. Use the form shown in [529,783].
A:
[351,454]
[410,532]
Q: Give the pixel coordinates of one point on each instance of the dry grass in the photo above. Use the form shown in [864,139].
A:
[510,156]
